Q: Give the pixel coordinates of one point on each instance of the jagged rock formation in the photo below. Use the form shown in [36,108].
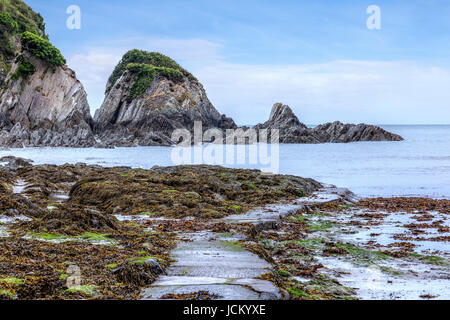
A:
[293,131]
[149,96]
[41,101]
[49,108]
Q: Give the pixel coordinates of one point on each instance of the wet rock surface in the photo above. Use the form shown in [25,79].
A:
[293,131]
[369,249]
[217,265]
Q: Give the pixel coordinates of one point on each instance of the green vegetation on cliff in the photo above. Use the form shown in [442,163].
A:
[42,48]
[17,17]
[146,73]
[147,65]
[19,21]
[24,70]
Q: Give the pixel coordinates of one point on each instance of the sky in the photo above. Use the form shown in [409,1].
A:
[319,57]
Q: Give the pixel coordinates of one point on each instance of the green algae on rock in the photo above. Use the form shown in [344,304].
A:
[198,191]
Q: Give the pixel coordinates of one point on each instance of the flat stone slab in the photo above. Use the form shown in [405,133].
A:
[224,289]
[214,271]
[223,292]
[188,281]
[270,213]
[217,265]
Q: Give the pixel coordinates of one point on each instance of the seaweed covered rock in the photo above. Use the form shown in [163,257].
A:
[17,206]
[198,191]
[140,272]
[14,205]
[148,96]
[291,130]
[41,101]
[73,220]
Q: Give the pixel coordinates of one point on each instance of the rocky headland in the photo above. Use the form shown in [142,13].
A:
[147,97]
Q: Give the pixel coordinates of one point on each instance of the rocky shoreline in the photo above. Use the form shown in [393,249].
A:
[126,233]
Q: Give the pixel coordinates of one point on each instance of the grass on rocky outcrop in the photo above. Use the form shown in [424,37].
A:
[145,66]
[18,20]
[25,69]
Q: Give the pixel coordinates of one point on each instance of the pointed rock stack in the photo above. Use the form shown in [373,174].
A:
[149,96]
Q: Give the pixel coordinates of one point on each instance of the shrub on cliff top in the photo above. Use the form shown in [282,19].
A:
[145,74]
[42,48]
[152,59]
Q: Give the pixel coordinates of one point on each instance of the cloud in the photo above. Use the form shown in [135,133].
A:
[346,90]
[93,70]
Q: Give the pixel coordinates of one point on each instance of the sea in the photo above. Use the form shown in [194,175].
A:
[418,166]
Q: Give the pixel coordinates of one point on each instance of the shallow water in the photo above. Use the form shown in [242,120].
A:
[418,166]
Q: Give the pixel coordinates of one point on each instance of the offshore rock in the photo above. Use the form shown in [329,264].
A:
[291,130]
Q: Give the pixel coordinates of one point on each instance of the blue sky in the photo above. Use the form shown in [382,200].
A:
[317,56]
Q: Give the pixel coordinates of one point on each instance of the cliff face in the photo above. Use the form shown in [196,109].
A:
[148,97]
[293,131]
[41,101]
[47,108]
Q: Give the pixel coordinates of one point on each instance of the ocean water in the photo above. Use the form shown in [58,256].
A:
[418,166]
